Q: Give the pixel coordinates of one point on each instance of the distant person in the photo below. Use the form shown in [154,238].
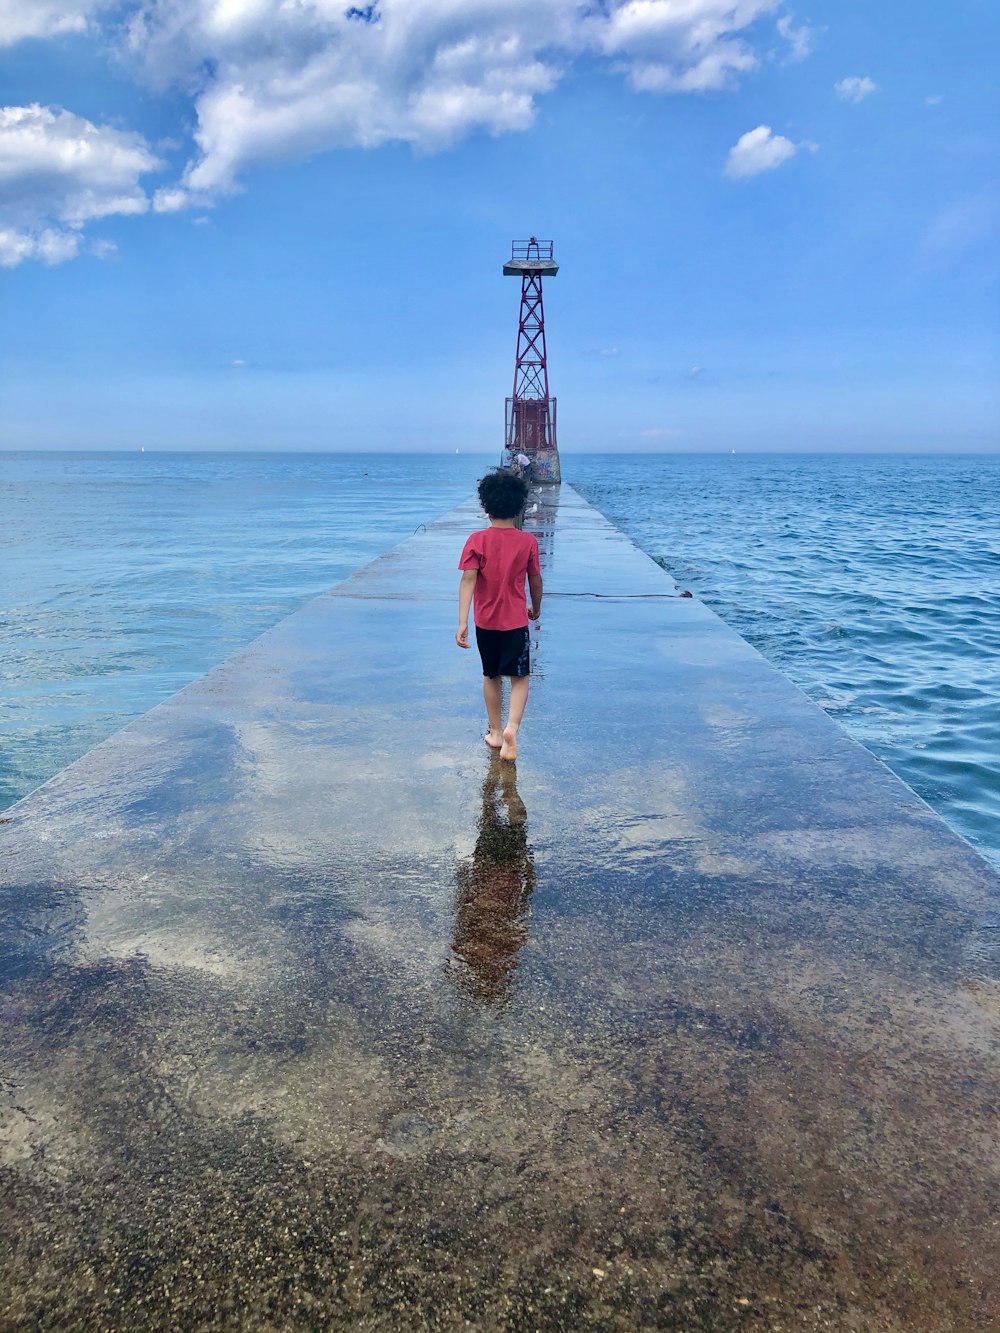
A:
[524,467]
[495,563]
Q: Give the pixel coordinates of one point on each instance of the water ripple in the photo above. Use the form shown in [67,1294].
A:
[871,581]
[125,576]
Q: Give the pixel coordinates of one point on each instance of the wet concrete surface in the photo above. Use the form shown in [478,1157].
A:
[314,1017]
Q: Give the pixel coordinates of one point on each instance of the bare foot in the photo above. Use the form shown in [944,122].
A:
[509,748]
[494,739]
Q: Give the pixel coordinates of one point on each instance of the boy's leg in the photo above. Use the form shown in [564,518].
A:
[518,698]
[493,695]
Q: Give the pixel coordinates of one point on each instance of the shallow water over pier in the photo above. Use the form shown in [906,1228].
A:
[315,1016]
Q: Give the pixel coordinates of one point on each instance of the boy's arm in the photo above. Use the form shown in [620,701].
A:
[466,587]
[534,580]
[535,588]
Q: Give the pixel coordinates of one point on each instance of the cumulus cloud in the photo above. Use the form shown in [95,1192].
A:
[274,81]
[49,245]
[45,18]
[855,89]
[58,172]
[278,80]
[170,199]
[761,150]
[666,46]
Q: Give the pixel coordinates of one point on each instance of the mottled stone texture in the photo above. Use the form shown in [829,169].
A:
[312,1018]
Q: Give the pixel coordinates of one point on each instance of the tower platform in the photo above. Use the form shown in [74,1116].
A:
[314,1018]
[516,268]
[531,256]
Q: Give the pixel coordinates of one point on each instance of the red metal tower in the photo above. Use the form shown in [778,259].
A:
[531,413]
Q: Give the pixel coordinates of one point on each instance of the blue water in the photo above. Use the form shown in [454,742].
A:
[873,582]
[125,576]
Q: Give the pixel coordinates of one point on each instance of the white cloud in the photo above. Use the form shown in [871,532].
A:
[801,41]
[274,81]
[170,199]
[934,100]
[45,18]
[58,172]
[761,150]
[678,45]
[279,80]
[50,246]
[855,89]
[14,247]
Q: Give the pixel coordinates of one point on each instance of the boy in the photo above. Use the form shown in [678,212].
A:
[495,563]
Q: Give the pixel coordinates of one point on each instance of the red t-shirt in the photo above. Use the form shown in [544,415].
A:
[504,558]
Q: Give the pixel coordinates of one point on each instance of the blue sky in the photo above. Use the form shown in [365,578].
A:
[256,224]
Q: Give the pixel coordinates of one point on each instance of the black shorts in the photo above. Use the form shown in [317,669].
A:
[504,651]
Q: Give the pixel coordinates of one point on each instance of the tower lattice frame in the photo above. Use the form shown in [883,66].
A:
[530,417]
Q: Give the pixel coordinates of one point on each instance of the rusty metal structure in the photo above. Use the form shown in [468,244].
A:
[530,418]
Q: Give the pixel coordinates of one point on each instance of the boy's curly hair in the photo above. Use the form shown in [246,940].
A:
[502,494]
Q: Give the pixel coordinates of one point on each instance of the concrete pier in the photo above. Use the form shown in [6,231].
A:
[312,1017]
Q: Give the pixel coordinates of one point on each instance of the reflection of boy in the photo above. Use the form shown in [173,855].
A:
[493,891]
[495,563]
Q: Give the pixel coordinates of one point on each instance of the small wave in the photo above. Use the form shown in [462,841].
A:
[869,581]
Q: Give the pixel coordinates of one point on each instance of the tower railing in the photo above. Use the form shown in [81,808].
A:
[525,251]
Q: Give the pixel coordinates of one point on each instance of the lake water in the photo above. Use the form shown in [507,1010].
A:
[872,581]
